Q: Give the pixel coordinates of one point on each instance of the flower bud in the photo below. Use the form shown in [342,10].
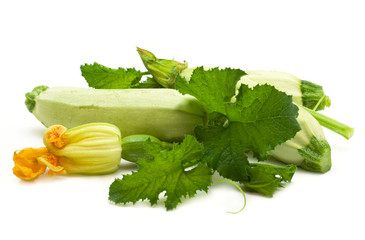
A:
[93,148]
[164,71]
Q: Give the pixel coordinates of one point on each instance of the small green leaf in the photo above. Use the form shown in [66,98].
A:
[148,83]
[265,178]
[102,77]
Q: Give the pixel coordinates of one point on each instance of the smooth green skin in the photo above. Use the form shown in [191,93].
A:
[162,113]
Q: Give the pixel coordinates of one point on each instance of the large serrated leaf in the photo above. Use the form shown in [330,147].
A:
[168,171]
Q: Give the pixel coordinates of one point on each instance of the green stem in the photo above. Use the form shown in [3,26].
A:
[134,146]
[30,97]
[332,124]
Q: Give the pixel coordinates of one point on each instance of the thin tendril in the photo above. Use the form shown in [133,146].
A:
[239,188]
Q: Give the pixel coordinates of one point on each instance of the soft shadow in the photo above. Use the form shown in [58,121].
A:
[126,166]
[36,131]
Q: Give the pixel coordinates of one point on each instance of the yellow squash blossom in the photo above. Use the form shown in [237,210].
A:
[93,148]
[32,162]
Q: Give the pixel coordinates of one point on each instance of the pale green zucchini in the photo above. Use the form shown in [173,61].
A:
[162,113]
[308,149]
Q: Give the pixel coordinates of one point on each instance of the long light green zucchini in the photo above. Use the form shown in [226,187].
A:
[163,113]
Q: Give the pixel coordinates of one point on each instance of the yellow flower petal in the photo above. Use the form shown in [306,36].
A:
[29,163]
[54,135]
[26,165]
[51,161]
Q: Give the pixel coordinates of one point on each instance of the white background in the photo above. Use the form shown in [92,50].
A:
[45,42]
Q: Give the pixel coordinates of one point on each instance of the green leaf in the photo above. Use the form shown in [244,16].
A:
[212,88]
[168,171]
[224,150]
[265,178]
[265,117]
[256,121]
[150,82]
[102,77]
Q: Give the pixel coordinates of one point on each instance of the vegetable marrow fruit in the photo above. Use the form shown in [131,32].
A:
[304,93]
[162,113]
[308,149]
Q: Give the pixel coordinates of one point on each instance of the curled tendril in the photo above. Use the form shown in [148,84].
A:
[239,188]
